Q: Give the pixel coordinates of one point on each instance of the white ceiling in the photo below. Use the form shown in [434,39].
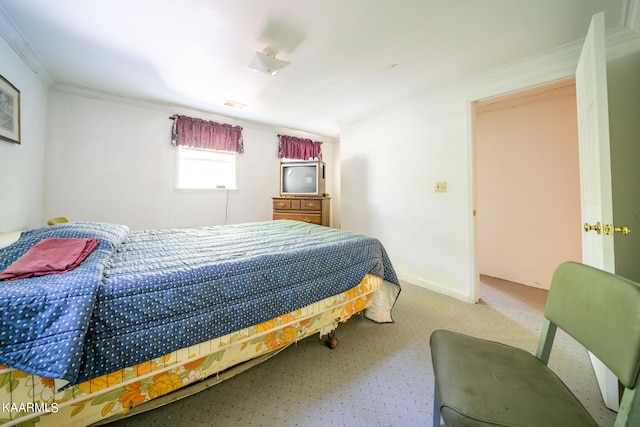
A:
[347,57]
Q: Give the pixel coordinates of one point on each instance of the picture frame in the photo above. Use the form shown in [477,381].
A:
[9,111]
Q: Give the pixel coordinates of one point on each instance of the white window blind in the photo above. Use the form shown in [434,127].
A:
[199,169]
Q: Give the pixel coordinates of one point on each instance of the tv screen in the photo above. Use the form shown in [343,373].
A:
[302,178]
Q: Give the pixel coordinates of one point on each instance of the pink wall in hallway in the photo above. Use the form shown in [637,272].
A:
[528,187]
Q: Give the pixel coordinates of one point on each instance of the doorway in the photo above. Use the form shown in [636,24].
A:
[527,183]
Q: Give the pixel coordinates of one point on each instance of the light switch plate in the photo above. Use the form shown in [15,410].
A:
[441,187]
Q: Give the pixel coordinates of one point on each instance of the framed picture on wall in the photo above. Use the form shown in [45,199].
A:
[9,111]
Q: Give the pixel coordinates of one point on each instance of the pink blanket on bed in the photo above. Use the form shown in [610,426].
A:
[50,256]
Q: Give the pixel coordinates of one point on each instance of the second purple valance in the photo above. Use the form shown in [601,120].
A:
[205,134]
[291,147]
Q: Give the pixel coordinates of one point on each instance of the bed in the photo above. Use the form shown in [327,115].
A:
[149,312]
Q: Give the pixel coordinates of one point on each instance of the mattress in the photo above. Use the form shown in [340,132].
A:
[40,401]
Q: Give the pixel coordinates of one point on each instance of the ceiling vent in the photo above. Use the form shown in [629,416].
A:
[234,104]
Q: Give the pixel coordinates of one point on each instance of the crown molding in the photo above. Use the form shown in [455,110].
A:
[18,42]
[625,39]
[170,108]
[632,18]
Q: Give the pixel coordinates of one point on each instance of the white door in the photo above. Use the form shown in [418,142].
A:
[595,172]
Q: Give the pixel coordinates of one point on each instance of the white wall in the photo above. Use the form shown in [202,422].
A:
[112,161]
[390,160]
[21,166]
[390,163]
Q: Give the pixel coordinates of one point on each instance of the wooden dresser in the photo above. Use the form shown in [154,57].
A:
[308,209]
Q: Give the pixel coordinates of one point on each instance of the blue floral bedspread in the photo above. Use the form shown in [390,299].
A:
[143,294]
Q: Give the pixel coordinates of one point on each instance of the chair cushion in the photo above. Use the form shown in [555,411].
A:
[484,383]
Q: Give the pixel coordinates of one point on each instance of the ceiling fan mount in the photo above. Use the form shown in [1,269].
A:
[266,62]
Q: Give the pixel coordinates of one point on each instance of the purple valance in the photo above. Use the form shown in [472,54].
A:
[291,147]
[205,134]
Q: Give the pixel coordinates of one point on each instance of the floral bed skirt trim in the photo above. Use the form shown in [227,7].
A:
[32,400]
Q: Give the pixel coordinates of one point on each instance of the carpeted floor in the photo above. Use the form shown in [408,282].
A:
[379,374]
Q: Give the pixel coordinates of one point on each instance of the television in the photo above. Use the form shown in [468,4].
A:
[302,178]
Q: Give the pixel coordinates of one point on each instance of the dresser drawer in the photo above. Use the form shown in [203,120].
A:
[314,210]
[310,218]
[311,205]
[280,204]
[287,204]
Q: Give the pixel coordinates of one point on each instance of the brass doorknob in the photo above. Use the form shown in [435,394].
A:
[609,229]
[606,229]
[588,227]
[624,230]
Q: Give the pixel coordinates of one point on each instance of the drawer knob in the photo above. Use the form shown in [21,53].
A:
[310,204]
[282,204]
[307,220]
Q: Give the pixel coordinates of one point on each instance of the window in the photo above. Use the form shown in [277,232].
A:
[199,169]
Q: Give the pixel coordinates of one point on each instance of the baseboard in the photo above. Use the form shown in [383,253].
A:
[435,287]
